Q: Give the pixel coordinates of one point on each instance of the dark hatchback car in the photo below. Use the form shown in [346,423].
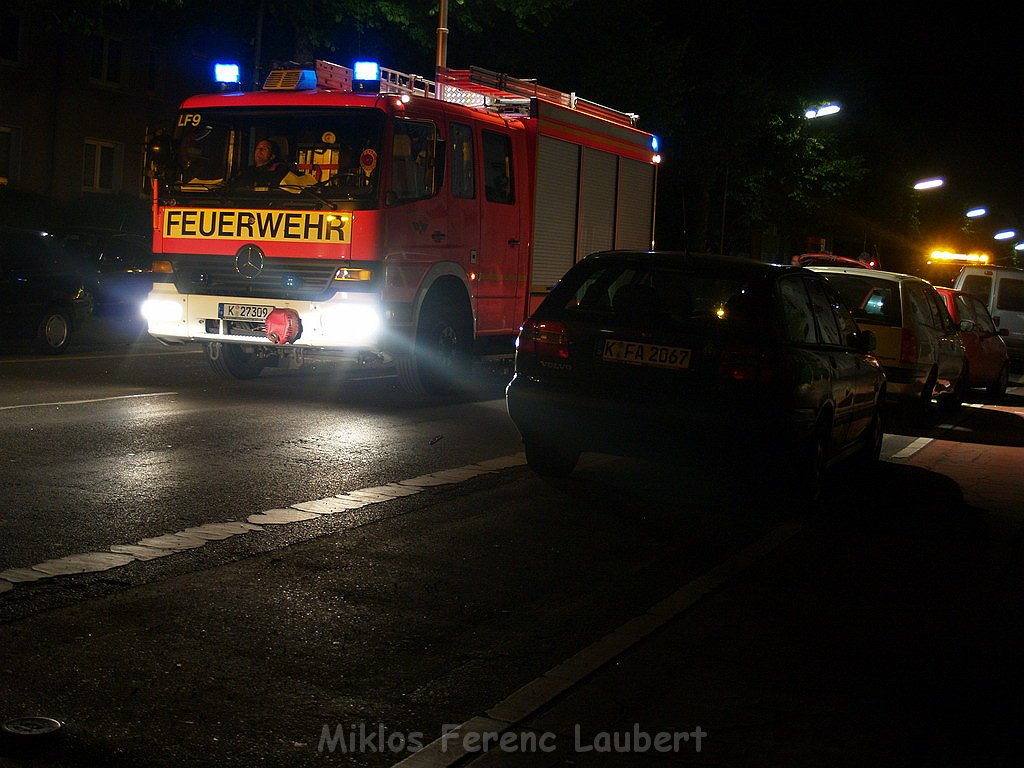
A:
[709,358]
[116,265]
[43,298]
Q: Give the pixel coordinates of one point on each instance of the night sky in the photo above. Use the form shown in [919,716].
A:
[945,79]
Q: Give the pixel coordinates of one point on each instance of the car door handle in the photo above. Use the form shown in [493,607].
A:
[437,237]
[513,241]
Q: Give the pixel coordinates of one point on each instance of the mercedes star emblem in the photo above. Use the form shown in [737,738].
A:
[249,261]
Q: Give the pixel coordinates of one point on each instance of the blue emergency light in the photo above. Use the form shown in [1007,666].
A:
[366,76]
[225,73]
[226,76]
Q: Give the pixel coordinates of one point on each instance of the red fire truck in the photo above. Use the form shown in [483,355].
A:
[412,224]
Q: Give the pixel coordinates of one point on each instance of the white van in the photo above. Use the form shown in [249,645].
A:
[1002,291]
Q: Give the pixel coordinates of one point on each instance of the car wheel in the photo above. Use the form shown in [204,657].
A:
[867,456]
[805,477]
[998,387]
[953,400]
[54,331]
[918,408]
[440,358]
[232,361]
[551,460]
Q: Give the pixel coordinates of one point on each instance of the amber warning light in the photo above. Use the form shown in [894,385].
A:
[948,257]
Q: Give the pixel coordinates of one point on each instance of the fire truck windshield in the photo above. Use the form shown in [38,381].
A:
[333,153]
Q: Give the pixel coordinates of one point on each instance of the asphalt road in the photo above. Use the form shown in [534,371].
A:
[454,589]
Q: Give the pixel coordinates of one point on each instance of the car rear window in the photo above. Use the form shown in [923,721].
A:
[979,285]
[871,299]
[673,295]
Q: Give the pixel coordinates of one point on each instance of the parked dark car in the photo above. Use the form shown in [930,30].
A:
[117,265]
[708,358]
[43,298]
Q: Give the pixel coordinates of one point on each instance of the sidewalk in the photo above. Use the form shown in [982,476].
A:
[887,639]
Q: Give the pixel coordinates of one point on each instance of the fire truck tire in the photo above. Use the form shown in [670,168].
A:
[441,354]
[231,361]
[53,331]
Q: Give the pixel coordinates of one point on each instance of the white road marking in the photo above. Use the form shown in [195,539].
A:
[118,555]
[80,402]
[913,448]
[450,748]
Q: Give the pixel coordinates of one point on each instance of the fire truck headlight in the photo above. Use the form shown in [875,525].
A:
[158,311]
[351,324]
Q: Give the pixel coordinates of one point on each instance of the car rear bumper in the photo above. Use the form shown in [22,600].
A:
[903,383]
[599,422]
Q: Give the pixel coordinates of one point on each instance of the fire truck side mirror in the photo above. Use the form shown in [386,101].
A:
[158,153]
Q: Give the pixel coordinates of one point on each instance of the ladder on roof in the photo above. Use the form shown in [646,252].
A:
[475,87]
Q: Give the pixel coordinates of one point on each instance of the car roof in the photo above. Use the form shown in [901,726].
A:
[989,268]
[741,267]
[884,274]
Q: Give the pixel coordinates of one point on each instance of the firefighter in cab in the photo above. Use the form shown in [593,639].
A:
[268,168]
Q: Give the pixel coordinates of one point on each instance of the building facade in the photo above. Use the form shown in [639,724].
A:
[76,111]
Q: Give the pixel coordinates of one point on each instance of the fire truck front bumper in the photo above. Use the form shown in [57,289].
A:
[348,322]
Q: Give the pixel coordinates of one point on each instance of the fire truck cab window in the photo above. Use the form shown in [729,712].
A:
[498,180]
[334,151]
[415,170]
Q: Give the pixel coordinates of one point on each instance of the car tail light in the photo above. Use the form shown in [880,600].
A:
[754,363]
[908,346]
[547,340]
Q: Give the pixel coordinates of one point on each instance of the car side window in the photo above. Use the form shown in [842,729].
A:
[945,320]
[847,325]
[921,309]
[980,314]
[828,325]
[797,315]
[1011,295]
[965,309]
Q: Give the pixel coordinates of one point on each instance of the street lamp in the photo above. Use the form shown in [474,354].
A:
[823,111]
[929,183]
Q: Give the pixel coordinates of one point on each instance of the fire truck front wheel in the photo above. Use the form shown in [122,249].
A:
[232,361]
[440,357]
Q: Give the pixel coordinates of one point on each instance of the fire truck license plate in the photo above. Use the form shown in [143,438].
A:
[637,353]
[244,312]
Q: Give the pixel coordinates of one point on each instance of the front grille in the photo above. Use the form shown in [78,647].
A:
[297,279]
